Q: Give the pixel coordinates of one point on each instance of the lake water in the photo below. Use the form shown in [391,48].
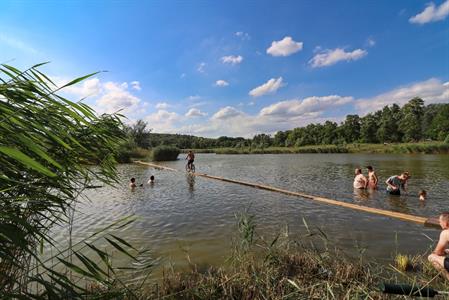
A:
[182,214]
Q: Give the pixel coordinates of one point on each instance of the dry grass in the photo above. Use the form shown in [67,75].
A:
[286,269]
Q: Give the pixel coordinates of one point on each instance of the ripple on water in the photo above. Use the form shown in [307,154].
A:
[181,210]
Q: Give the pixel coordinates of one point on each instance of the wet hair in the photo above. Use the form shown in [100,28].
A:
[358,171]
[151,177]
[370,168]
[445,216]
[133,179]
[423,193]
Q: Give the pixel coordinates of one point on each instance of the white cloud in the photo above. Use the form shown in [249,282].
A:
[162,105]
[432,91]
[163,121]
[136,85]
[201,67]
[231,59]
[431,13]
[195,112]
[116,97]
[311,105]
[330,57]
[226,113]
[370,42]
[221,83]
[284,47]
[270,86]
[87,88]
[243,35]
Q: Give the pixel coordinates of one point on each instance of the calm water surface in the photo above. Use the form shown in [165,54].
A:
[182,213]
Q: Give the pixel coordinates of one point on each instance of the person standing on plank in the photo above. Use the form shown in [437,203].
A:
[438,257]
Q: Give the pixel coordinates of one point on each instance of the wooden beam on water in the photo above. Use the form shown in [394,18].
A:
[431,222]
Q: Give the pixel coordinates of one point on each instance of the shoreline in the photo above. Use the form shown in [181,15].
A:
[400,148]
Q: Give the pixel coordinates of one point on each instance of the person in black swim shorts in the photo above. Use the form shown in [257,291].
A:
[438,257]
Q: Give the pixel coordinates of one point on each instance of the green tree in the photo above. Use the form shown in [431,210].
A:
[141,134]
[351,128]
[410,124]
[368,129]
[439,127]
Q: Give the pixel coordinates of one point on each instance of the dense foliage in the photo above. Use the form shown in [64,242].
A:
[393,124]
[164,153]
[46,144]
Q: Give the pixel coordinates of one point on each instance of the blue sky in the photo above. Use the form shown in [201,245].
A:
[235,68]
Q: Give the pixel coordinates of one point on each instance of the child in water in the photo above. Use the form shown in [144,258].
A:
[151,181]
[372,178]
[422,195]
[438,257]
[132,183]
[360,181]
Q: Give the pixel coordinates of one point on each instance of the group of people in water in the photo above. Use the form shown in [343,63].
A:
[395,183]
[133,184]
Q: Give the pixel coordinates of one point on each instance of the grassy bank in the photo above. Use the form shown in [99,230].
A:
[424,147]
[282,268]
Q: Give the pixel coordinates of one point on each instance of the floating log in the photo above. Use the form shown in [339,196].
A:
[432,222]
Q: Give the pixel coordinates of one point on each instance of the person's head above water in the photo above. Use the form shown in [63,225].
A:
[133,180]
[357,171]
[444,220]
[152,178]
[404,175]
[370,168]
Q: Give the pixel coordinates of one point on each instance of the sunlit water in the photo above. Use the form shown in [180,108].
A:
[182,214]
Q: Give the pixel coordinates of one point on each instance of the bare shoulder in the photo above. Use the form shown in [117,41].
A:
[444,235]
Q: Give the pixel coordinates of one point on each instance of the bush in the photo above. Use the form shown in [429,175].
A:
[164,153]
[446,141]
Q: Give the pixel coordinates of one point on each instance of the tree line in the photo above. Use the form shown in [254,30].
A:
[412,122]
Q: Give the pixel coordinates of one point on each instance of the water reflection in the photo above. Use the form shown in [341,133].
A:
[398,203]
[361,194]
[191,182]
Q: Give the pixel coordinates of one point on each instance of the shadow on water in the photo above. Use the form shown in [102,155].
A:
[190,182]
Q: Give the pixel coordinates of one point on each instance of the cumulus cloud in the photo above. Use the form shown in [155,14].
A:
[195,112]
[270,86]
[87,88]
[432,91]
[284,47]
[136,85]
[163,120]
[221,83]
[331,57]
[116,97]
[226,113]
[162,105]
[201,67]
[431,13]
[231,59]
[312,106]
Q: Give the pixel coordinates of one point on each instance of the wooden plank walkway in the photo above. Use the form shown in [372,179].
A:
[433,222]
